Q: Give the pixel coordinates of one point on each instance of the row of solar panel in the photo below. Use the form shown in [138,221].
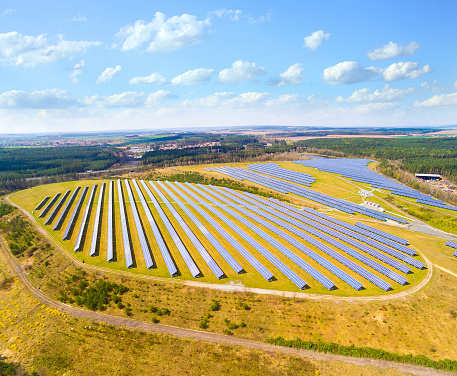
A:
[224,200]
[452,245]
[356,169]
[286,187]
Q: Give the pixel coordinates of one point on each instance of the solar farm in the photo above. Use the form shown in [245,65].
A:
[219,235]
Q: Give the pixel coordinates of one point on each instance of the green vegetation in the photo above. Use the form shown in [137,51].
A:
[417,155]
[95,296]
[5,209]
[20,237]
[366,352]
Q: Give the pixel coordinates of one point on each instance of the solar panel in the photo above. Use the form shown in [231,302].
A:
[42,202]
[156,232]
[237,246]
[98,214]
[298,281]
[57,208]
[110,229]
[206,233]
[74,215]
[49,205]
[193,268]
[194,240]
[64,212]
[83,227]
[139,228]
[382,233]
[124,227]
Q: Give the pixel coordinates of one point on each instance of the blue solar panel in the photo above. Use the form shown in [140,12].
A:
[96,230]
[196,243]
[298,281]
[382,233]
[110,229]
[83,227]
[206,233]
[237,246]
[157,234]
[193,268]
[124,227]
[139,228]
[74,215]
[65,210]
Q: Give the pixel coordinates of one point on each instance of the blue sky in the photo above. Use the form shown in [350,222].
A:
[135,65]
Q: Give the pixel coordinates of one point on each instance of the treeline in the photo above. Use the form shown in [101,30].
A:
[233,149]
[366,352]
[19,163]
[417,155]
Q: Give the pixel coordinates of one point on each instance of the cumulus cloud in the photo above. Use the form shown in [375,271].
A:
[314,40]
[153,78]
[376,107]
[157,98]
[386,94]
[348,72]
[284,99]
[37,99]
[125,99]
[241,71]
[404,70]
[249,98]
[29,50]
[391,50]
[77,71]
[213,100]
[292,76]
[442,100]
[193,77]
[108,74]
[162,33]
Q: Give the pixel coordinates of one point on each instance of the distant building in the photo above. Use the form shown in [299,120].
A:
[428,176]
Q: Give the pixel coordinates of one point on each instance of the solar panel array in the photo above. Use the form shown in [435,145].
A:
[42,202]
[357,170]
[231,232]
[49,205]
[299,190]
[452,245]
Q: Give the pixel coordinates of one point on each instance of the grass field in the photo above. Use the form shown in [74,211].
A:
[29,198]
[38,339]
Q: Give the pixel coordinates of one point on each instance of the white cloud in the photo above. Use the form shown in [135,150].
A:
[442,100]
[391,50]
[193,77]
[153,78]
[158,97]
[260,19]
[125,99]
[386,94]
[249,98]
[163,34]
[314,40]
[376,107]
[241,71]
[77,71]
[455,84]
[292,76]
[29,50]
[108,74]
[404,70]
[80,19]
[213,100]
[38,99]
[232,14]
[348,72]
[284,99]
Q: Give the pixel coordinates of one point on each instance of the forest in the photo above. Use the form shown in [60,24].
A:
[415,154]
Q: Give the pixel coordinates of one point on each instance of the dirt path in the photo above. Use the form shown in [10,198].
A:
[232,287]
[201,335]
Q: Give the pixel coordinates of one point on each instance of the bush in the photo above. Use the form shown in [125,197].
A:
[215,306]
